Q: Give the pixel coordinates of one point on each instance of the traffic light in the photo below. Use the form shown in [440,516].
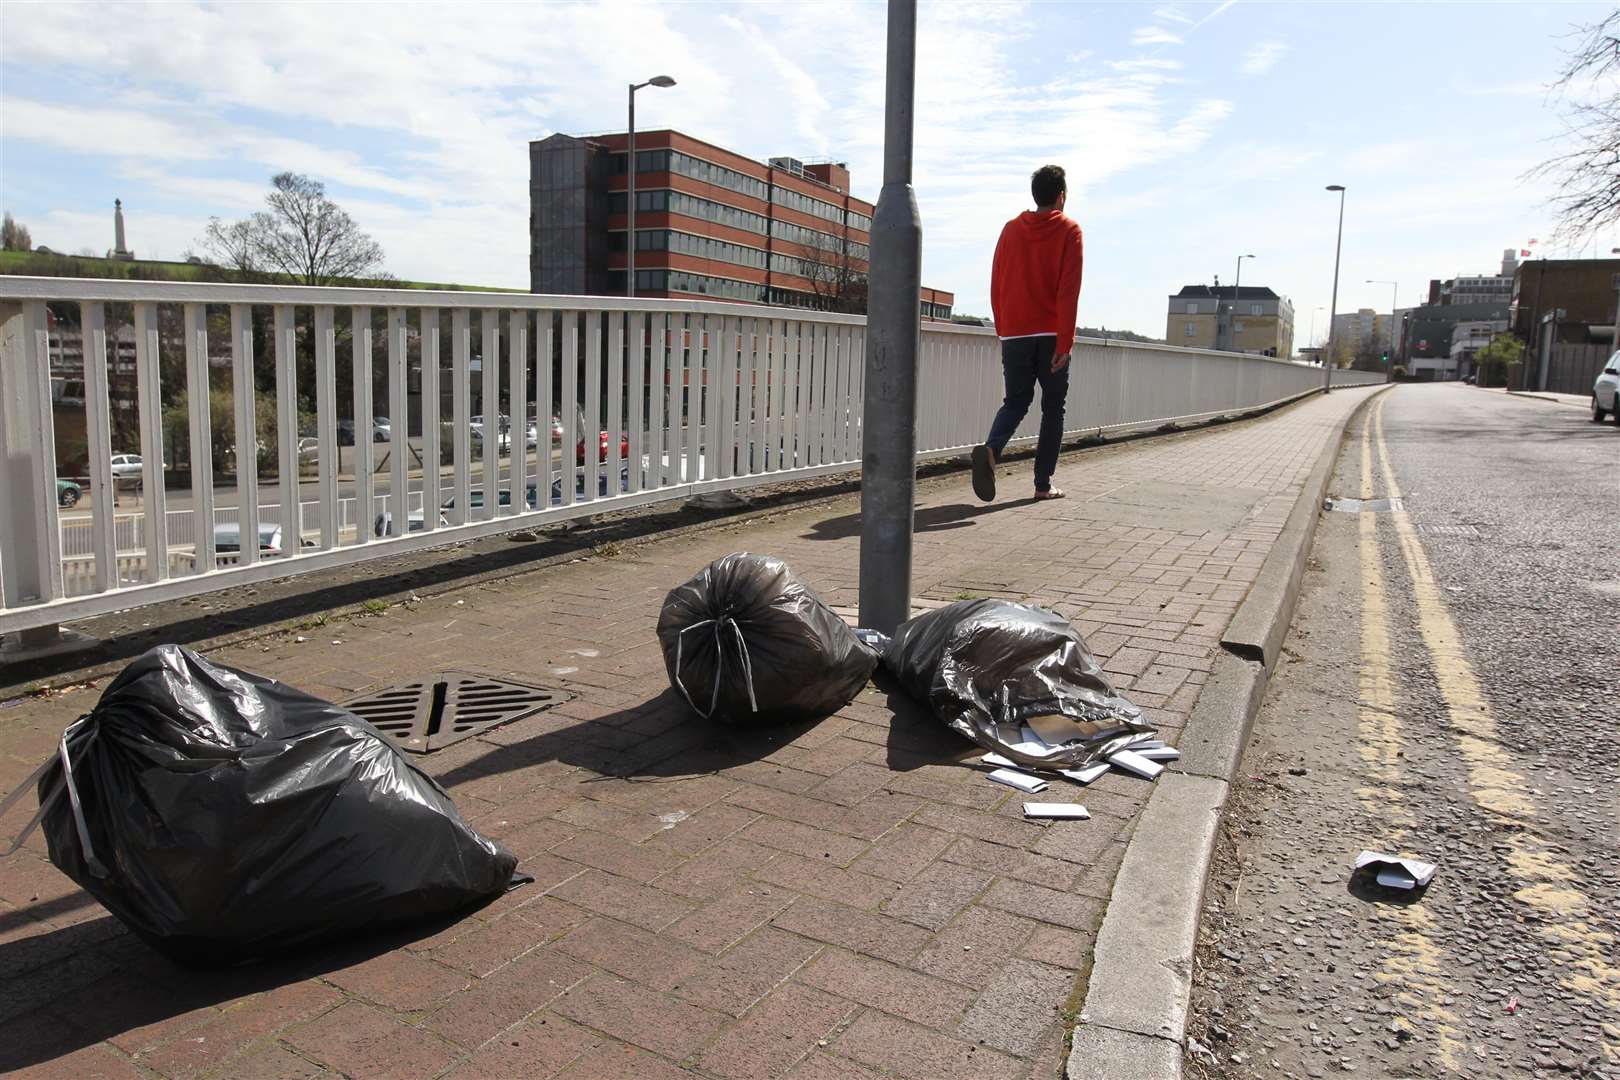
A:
[1384,357]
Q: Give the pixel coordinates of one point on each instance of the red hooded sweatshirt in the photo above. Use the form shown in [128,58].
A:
[1035,279]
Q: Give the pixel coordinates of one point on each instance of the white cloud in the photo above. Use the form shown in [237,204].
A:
[1171,13]
[1153,35]
[1262,57]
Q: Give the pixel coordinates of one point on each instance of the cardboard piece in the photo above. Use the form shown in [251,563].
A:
[1132,762]
[1056,811]
[1022,781]
[1087,774]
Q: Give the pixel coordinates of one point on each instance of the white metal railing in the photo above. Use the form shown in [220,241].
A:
[649,375]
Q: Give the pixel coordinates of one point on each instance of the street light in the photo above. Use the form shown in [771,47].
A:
[1394,302]
[660,81]
[1333,309]
[1231,312]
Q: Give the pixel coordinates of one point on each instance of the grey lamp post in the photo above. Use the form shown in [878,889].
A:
[1231,311]
[630,168]
[893,337]
[1333,305]
[1394,301]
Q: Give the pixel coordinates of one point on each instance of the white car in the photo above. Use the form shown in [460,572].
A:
[128,466]
[1606,391]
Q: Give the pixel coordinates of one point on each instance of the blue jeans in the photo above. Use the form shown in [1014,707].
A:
[1025,362]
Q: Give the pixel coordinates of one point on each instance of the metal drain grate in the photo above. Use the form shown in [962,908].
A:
[443,708]
[1464,532]
[1359,506]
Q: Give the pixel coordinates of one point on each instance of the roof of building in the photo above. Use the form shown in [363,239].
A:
[1245,292]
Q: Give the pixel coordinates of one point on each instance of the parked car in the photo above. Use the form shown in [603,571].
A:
[228,538]
[128,466]
[384,524]
[1606,391]
[308,449]
[602,454]
[68,493]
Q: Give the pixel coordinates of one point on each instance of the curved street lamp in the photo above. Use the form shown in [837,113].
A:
[1333,309]
[1231,312]
[661,81]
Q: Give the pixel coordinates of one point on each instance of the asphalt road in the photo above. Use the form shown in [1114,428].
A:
[1450,690]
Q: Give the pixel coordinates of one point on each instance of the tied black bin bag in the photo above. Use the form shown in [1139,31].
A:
[746,642]
[223,816]
[989,667]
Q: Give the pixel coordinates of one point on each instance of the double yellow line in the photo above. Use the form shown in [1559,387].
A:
[1583,955]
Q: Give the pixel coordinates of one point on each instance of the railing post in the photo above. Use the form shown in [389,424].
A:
[888,457]
[30,554]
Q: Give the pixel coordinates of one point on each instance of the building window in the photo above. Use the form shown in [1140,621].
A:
[1189,329]
[1192,309]
[701,284]
[1236,326]
[798,234]
[806,205]
[678,202]
[1254,309]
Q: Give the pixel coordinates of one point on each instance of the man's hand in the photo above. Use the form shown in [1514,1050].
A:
[1059,363]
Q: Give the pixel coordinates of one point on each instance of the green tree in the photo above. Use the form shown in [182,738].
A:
[222,430]
[1498,360]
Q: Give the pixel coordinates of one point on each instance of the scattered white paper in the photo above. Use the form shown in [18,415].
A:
[1058,811]
[1396,872]
[999,761]
[1021,781]
[1157,753]
[1087,774]
[1151,744]
[1132,762]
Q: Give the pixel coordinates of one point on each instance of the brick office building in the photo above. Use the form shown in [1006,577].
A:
[710,224]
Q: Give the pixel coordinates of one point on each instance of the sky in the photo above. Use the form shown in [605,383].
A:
[1191,132]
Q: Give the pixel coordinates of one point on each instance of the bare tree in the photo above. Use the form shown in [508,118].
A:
[303,234]
[231,244]
[836,282]
[1587,174]
[14,237]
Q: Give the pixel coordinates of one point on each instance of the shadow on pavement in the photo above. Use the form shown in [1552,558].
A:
[57,995]
[929,519]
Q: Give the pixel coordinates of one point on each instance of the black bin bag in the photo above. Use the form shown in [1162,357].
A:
[223,816]
[991,668]
[746,642]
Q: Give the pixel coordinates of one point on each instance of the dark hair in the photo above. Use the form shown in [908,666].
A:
[1046,184]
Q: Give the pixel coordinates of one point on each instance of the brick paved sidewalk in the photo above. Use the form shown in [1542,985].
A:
[838,900]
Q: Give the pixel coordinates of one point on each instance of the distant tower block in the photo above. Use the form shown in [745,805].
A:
[119,251]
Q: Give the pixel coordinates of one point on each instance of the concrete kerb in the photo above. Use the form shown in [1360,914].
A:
[1134,1018]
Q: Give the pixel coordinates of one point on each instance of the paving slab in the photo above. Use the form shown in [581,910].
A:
[832,899]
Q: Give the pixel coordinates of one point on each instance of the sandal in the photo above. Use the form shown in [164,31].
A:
[1049,493]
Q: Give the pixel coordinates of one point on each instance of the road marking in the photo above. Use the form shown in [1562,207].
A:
[1547,884]
[1415,965]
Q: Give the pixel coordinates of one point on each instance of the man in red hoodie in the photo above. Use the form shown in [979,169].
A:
[1034,291]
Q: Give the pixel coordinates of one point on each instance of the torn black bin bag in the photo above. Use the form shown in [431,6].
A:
[989,667]
[746,642]
[224,817]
